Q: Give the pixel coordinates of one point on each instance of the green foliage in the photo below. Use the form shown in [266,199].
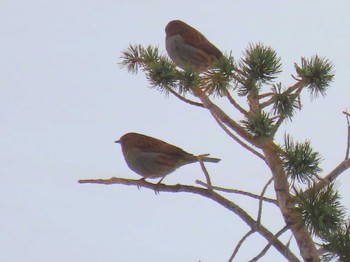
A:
[132,58]
[188,79]
[337,247]
[248,85]
[284,103]
[321,210]
[259,125]
[317,73]
[159,70]
[216,83]
[161,73]
[226,65]
[260,64]
[218,79]
[300,162]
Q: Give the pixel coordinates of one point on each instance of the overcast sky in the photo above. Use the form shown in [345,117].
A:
[65,99]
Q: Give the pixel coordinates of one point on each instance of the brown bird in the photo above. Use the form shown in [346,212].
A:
[153,158]
[189,48]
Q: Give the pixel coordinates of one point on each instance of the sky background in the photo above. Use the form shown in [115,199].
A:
[65,99]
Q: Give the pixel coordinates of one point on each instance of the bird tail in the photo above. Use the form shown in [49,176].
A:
[205,158]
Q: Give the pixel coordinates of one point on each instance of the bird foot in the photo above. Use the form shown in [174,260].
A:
[142,179]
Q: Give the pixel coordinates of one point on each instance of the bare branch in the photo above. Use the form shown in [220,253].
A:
[208,193]
[222,125]
[347,114]
[265,95]
[220,114]
[183,98]
[343,166]
[263,252]
[240,244]
[240,192]
[235,104]
[297,87]
[290,240]
[207,177]
[278,124]
[261,200]
[348,142]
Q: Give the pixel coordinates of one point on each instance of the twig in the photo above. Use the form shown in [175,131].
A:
[183,98]
[234,103]
[265,95]
[207,177]
[299,85]
[347,114]
[290,239]
[344,165]
[220,114]
[263,252]
[240,244]
[240,192]
[261,200]
[222,125]
[348,142]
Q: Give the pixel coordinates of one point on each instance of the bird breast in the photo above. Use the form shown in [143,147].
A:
[150,164]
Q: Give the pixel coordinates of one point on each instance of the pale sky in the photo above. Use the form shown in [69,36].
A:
[65,100]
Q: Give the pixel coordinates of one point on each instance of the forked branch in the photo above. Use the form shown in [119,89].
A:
[208,193]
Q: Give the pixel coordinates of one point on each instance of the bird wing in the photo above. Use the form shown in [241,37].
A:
[200,41]
[158,146]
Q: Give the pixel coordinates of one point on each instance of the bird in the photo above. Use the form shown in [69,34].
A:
[188,48]
[153,158]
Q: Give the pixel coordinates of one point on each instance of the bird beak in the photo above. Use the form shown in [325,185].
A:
[118,141]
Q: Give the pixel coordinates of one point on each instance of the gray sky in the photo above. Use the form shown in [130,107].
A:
[64,100]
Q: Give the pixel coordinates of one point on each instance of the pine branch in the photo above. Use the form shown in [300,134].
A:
[193,103]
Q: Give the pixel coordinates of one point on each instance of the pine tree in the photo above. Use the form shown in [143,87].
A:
[309,204]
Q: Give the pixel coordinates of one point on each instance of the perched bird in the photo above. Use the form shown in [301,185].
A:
[189,48]
[153,158]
